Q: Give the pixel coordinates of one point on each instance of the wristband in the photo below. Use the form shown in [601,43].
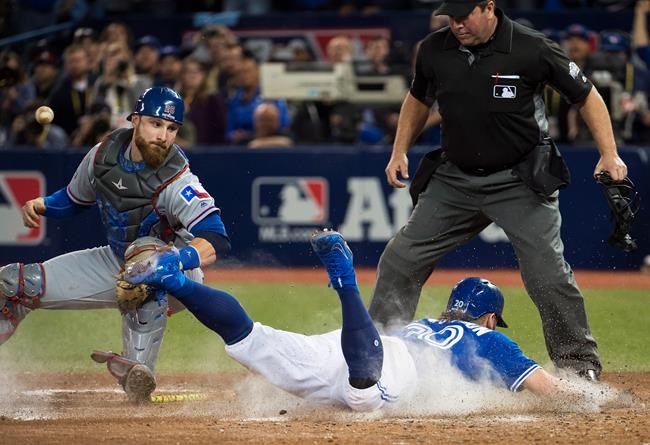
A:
[190,258]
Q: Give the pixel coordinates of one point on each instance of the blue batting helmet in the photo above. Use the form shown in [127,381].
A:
[477,297]
[160,102]
[614,41]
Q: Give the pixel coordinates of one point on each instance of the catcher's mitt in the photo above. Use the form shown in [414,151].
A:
[624,201]
[132,296]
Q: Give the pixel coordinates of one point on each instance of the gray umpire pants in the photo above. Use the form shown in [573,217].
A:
[453,209]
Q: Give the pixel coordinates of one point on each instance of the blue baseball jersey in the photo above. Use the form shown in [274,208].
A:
[470,347]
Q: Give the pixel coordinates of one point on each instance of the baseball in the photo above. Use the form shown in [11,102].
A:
[44,115]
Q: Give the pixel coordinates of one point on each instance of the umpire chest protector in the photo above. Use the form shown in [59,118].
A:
[127,191]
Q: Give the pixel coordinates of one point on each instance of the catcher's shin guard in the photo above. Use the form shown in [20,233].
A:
[21,289]
[142,332]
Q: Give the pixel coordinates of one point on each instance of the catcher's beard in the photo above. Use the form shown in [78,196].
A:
[153,154]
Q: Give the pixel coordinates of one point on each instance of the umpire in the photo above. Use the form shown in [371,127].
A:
[497,164]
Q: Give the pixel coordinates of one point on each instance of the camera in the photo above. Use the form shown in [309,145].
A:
[122,66]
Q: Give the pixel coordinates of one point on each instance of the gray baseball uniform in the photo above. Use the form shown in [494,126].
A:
[173,205]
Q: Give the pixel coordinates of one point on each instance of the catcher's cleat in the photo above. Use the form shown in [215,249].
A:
[139,383]
[336,256]
[117,365]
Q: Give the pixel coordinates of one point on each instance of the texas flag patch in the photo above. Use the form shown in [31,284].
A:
[192,192]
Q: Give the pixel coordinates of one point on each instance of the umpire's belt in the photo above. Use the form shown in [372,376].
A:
[483,171]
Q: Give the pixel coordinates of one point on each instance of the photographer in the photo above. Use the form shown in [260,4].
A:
[14,93]
[119,86]
[93,126]
[622,80]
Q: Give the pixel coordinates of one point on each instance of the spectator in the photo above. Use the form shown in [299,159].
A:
[299,52]
[116,32]
[640,36]
[376,54]
[215,41]
[119,87]
[267,128]
[229,67]
[641,47]
[578,44]
[341,118]
[71,98]
[379,122]
[87,37]
[622,79]
[15,93]
[564,118]
[45,74]
[244,101]
[339,50]
[93,126]
[147,55]
[169,67]
[204,107]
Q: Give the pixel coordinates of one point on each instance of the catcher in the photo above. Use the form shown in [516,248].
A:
[142,184]
[355,366]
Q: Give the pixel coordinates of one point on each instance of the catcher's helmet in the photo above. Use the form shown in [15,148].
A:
[476,297]
[160,102]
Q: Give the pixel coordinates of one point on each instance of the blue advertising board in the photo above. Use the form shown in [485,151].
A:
[271,201]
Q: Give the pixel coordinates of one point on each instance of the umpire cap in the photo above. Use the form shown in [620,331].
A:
[476,297]
[160,102]
[457,8]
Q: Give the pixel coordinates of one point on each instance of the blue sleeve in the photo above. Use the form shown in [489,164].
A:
[644,53]
[230,123]
[211,223]
[507,360]
[285,119]
[59,205]
[212,229]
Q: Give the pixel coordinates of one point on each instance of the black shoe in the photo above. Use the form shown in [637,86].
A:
[591,375]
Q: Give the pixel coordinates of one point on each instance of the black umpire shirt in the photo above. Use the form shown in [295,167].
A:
[490,96]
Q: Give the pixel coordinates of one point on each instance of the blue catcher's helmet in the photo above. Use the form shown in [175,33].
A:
[476,297]
[160,102]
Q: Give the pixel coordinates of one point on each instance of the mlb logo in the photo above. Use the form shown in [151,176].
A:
[505,91]
[16,188]
[290,200]
[169,109]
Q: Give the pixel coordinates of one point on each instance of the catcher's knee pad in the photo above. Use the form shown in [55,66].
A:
[143,331]
[21,289]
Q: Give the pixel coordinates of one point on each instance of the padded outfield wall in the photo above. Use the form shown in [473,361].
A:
[271,201]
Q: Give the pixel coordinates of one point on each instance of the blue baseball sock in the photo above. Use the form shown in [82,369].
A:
[217,310]
[360,341]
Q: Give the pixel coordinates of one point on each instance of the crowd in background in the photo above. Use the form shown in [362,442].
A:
[94,77]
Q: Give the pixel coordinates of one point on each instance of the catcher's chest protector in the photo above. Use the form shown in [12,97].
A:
[126,190]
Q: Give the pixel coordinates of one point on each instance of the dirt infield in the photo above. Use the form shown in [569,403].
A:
[84,409]
[600,279]
[75,409]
